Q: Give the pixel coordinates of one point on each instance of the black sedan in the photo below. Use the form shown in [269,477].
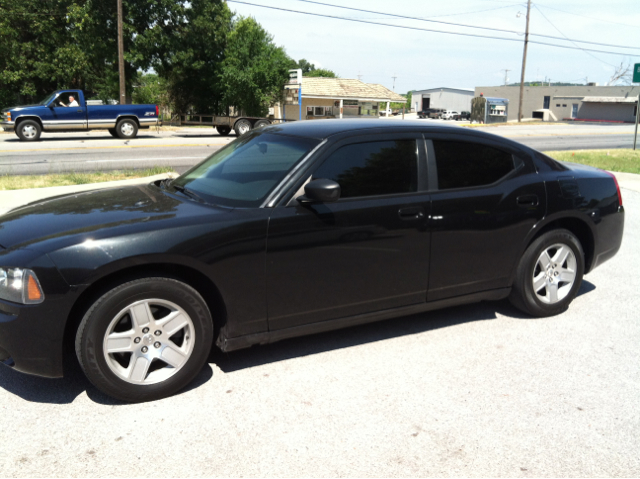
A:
[291,230]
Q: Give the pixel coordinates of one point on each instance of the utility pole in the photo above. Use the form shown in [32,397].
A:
[123,93]
[506,78]
[394,83]
[524,61]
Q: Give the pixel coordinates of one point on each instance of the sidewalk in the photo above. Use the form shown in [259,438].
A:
[10,199]
[13,198]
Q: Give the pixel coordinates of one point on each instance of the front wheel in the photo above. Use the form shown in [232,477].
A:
[145,339]
[113,132]
[126,129]
[549,274]
[29,130]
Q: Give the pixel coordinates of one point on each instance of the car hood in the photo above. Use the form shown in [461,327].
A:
[22,107]
[69,219]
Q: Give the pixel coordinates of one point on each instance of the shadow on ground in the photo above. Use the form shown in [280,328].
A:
[67,389]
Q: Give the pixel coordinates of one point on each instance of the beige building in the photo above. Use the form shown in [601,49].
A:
[599,103]
[337,98]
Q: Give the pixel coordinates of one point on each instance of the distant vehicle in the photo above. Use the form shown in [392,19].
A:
[56,114]
[463,115]
[449,115]
[389,112]
[430,113]
[289,230]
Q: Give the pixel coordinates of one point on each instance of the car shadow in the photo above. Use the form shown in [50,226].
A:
[66,390]
[107,136]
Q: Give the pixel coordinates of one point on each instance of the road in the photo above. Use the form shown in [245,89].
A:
[472,391]
[185,147]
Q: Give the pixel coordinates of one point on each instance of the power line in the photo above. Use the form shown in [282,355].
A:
[462,24]
[404,27]
[592,18]
[588,53]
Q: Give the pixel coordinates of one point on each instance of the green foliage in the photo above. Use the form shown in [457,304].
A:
[150,89]
[254,70]
[321,72]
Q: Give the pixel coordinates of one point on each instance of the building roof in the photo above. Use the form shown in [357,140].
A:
[609,99]
[463,90]
[347,89]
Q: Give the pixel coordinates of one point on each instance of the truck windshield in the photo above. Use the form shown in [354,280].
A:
[47,100]
[244,172]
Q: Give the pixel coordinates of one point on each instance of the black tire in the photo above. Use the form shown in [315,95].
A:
[126,129]
[261,123]
[188,346]
[112,132]
[29,130]
[545,291]
[223,130]
[242,126]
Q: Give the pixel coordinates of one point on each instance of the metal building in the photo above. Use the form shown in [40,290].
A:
[457,99]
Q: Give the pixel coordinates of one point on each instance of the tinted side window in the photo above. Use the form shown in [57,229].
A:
[462,165]
[373,168]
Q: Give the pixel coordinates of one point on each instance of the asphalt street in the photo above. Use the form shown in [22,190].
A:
[478,390]
[182,148]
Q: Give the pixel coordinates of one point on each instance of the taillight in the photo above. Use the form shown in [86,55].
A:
[615,180]
[157,111]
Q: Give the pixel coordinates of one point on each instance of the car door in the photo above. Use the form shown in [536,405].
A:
[486,198]
[66,117]
[366,252]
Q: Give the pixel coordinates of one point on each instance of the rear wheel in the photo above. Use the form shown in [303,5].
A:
[126,129]
[262,123]
[242,126]
[549,274]
[223,130]
[145,339]
[29,130]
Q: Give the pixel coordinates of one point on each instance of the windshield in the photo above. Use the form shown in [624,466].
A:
[47,100]
[244,172]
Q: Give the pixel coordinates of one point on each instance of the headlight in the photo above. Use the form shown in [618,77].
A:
[20,285]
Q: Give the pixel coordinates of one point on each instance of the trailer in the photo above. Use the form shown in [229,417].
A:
[224,124]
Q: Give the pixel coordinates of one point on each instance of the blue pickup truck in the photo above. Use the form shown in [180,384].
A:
[67,110]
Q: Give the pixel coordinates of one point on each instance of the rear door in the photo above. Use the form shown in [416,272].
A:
[366,252]
[486,198]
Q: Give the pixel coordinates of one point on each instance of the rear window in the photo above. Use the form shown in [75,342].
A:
[464,165]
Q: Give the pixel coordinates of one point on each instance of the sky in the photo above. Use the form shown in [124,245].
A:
[423,59]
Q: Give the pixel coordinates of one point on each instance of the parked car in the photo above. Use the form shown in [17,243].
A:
[424,113]
[449,115]
[463,115]
[436,113]
[67,111]
[289,230]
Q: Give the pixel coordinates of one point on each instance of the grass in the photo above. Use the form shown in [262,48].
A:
[623,160]
[14,182]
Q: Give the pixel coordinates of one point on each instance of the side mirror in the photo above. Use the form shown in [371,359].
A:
[320,191]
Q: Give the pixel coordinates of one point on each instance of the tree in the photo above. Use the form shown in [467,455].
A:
[254,69]
[622,74]
[321,72]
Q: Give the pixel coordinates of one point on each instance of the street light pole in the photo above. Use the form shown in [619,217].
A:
[123,93]
[524,61]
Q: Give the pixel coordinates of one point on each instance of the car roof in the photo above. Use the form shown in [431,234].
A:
[321,129]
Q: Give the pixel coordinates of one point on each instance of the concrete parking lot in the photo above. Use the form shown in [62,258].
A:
[478,390]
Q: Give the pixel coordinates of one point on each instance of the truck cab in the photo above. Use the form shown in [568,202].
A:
[67,110]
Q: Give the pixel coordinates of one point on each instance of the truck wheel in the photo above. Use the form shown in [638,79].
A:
[113,132]
[262,123]
[223,130]
[127,128]
[242,126]
[29,130]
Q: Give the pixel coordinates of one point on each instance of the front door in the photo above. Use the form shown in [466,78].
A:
[366,252]
[574,110]
[479,220]
[66,117]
